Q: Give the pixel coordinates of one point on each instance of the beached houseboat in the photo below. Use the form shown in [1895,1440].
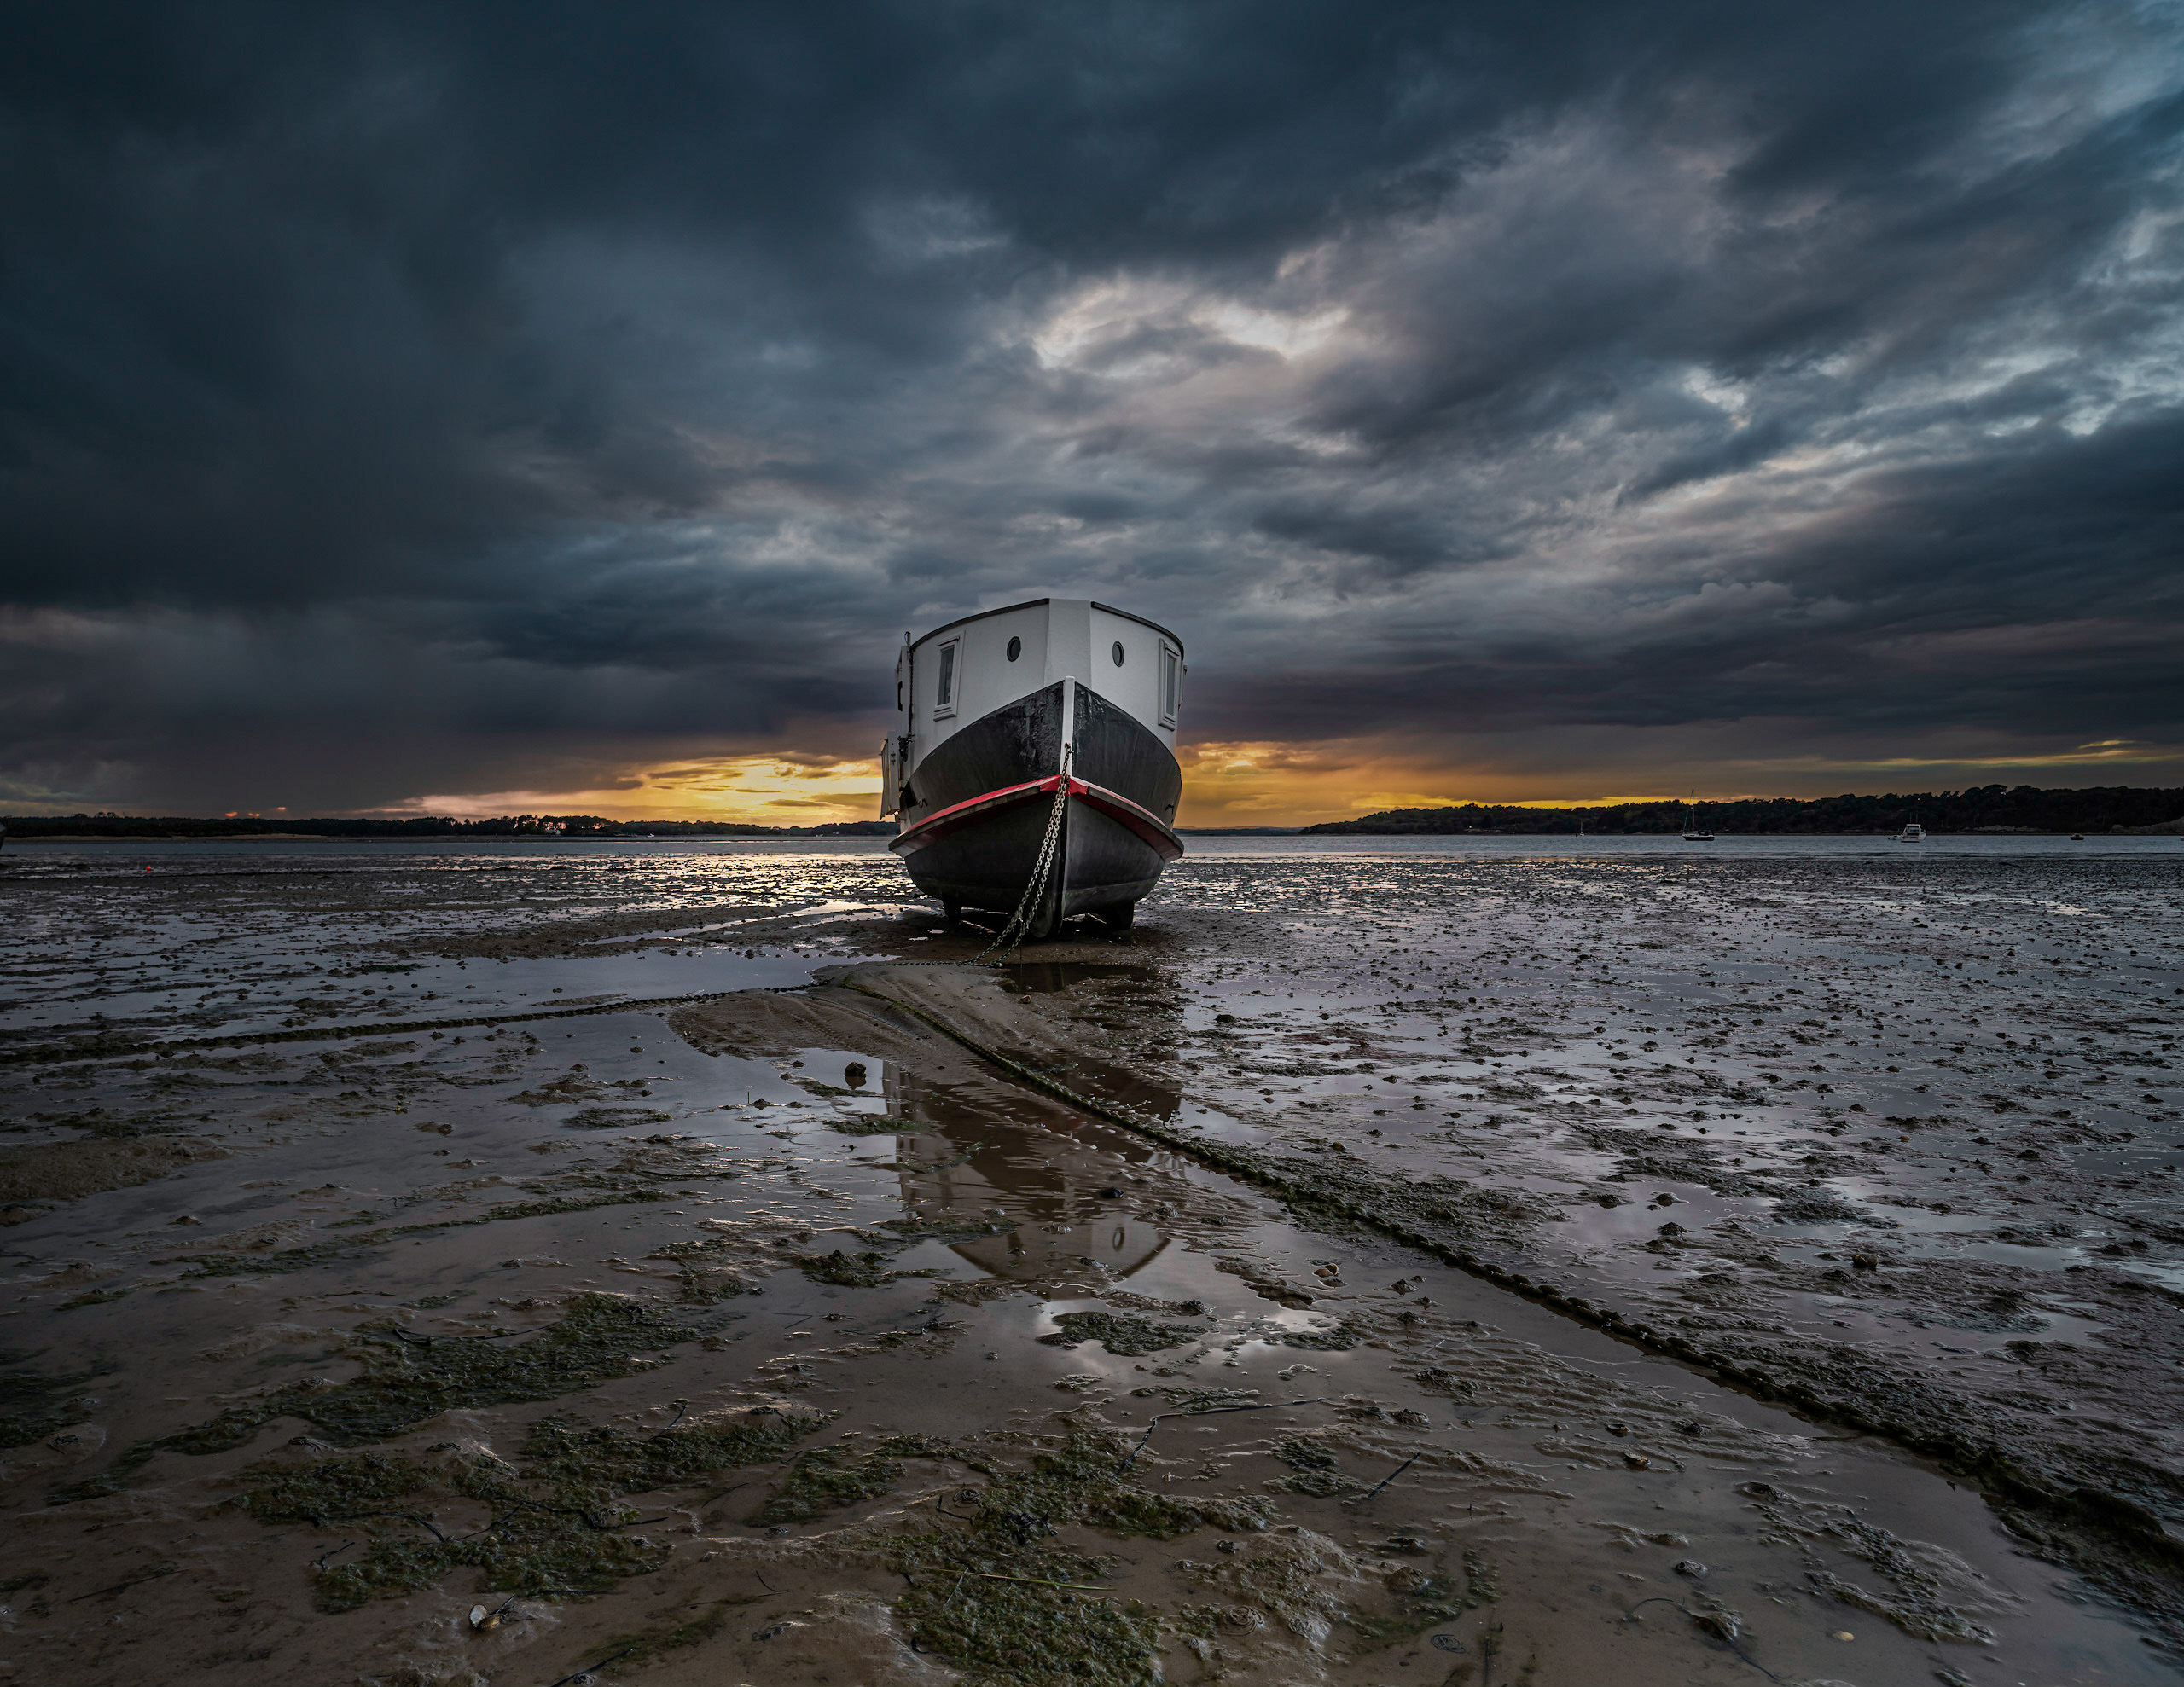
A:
[1003,717]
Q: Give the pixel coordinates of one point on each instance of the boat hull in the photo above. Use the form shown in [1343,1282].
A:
[979,806]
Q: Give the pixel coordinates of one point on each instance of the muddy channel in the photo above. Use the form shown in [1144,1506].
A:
[536,1269]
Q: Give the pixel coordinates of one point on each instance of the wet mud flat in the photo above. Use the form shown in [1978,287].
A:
[435,1278]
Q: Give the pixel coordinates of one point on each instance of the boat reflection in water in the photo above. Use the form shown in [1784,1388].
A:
[957,1159]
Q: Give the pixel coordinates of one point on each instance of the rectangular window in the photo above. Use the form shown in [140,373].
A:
[943,699]
[1171,683]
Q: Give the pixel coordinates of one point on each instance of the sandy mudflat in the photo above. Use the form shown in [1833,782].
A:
[395,1238]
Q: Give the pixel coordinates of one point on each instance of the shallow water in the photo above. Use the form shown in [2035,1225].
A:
[1562,1477]
[82,853]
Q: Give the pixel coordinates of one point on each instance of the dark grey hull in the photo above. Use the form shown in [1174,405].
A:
[975,815]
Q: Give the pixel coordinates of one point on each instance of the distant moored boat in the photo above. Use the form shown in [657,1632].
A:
[1692,834]
[1912,832]
[999,716]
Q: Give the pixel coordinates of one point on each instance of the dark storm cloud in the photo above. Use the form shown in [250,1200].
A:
[409,398]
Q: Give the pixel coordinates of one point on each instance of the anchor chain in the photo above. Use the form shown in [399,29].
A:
[1011,935]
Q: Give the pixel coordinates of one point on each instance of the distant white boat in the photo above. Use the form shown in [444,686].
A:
[1912,832]
[1692,834]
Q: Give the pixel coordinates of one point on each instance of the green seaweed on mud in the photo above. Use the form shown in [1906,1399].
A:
[699,1280]
[529,1545]
[1084,1474]
[552,1204]
[696,1286]
[1191,1400]
[1317,1472]
[569,1451]
[1825,1206]
[272,1262]
[1340,1339]
[93,1297]
[553,1521]
[1124,1335]
[827,1478]
[540,1209]
[860,1271]
[406,1379]
[33,1407]
[409,1378]
[253,1262]
[986,1597]
[1422,1601]
[636,1177]
[615,1118]
[1200,1629]
[1021,1632]
[1441,1380]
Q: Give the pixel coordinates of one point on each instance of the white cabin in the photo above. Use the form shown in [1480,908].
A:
[959,673]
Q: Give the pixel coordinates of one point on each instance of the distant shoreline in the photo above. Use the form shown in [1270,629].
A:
[2175,829]
[1989,810]
[14,837]
[1352,829]
[123,829]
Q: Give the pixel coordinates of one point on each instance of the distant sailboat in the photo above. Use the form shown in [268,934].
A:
[1692,834]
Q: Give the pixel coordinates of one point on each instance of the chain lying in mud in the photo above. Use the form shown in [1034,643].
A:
[1987,1463]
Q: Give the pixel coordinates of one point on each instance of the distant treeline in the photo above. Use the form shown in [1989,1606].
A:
[1983,807]
[506,825]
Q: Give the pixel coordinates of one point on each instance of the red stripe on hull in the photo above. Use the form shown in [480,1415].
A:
[934,826]
[1140,819]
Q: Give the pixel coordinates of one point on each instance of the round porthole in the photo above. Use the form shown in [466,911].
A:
[1119,652]
[1015,648]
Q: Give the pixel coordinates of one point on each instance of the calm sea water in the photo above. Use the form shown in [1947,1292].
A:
[24,851]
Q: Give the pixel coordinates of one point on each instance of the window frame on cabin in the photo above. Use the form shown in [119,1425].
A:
[948,677]
[1171,684]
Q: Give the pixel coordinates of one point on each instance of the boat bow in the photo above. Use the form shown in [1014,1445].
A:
[1161,838]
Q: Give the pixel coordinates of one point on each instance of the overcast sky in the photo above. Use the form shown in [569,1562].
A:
[469,407]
